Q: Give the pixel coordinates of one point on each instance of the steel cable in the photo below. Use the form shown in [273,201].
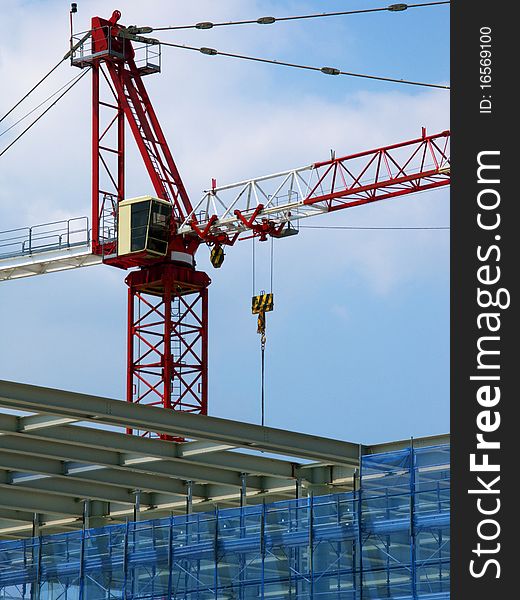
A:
[43,113]
[271,20]
[325,70]
[39,105]
[32,89]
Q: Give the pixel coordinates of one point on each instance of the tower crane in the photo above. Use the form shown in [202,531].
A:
[157,237]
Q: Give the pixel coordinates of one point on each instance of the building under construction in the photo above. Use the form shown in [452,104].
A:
[96,513]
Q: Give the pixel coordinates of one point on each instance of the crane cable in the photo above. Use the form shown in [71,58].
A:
[74,82]
[32,89]
[271,20]
[263,339]
[261,304]
[39,105]
[262,346]
[261,331]
[325,70]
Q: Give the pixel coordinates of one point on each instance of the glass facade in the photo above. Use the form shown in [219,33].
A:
[389,539]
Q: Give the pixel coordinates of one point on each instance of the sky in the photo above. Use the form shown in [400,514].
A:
[358,344]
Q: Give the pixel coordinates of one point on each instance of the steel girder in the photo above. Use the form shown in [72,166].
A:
[149,418]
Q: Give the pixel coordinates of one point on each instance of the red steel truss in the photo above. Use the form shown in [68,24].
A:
[108,157]
[412,166]
[265,204]
[129,99]
[167,338]
[167,302]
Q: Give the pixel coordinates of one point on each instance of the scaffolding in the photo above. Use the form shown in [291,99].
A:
[387,539]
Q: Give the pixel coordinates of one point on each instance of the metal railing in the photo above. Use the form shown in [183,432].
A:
[56,235]
[82,48]
[147,55]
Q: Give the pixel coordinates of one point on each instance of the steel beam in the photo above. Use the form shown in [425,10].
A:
[36,501]
[38,446]
[21,465]
[431,440]
[128,463]
[194,448]
[66,487]
[172,467]
[132,470]
[41,421]
[175,423]
[155,477]
[16,515]
[137,449]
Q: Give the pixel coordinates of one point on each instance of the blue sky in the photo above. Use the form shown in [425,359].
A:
[358,346]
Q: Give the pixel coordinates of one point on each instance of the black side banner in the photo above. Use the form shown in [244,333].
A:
[485,246]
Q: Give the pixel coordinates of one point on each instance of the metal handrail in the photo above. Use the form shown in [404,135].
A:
[55,235]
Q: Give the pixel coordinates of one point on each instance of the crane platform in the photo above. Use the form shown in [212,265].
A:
[46,248]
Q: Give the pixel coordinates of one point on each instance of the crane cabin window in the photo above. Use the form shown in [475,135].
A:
[144,226]
[139,225]
[159,227]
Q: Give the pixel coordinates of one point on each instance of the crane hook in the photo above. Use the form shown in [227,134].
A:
[259,306]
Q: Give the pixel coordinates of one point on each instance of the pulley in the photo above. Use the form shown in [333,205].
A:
[259,306]
[217,256]
[287,230]
[262,303]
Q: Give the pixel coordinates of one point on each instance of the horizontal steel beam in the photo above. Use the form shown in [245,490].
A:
[11,514]
[108,482]
[136,465]
[42,421]
[431,440]
[152,447]
[75,489]
[150,418]
[36,501]
[28,455]
[193,448]
[119,450]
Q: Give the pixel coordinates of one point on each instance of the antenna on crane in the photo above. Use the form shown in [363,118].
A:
[73,11]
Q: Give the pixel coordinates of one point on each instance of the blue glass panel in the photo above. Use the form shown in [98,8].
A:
[391,538]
